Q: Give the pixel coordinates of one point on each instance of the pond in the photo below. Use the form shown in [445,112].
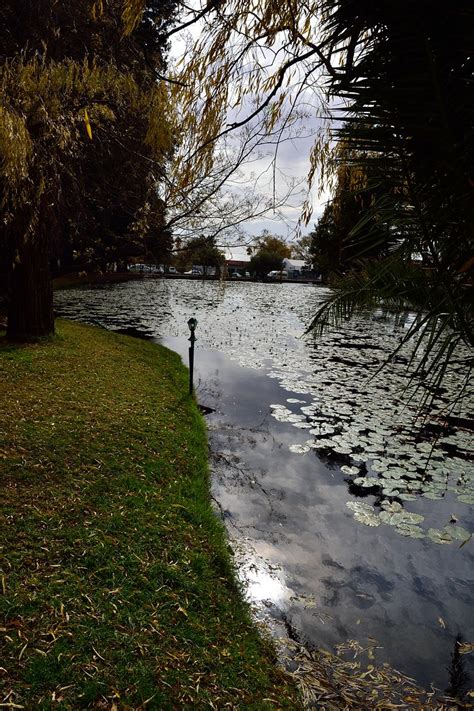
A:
[349,519]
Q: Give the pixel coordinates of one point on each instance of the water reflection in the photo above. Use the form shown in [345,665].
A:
[308,561]
[459,679]
[263,584]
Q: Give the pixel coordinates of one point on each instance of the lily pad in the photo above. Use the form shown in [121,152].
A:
[351,471]
[439,536]
[457,532]
[366,481]
[359,506]
[392,519]
[364,513]
[410,531]
[322,444]
[342,450]
[392,507]
[368,519]
[466,498]
[299,448]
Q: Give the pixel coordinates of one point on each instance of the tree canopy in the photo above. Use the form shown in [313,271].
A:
[202,251]
[350,230]
[409,128]
[268,254]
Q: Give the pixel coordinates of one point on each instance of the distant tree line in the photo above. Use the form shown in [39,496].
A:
[202,251]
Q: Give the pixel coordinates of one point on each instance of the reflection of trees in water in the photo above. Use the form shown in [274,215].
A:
[140,311]
[210,388]
[226,445]
[459,679]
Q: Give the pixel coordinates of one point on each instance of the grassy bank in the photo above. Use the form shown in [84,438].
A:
[116,589]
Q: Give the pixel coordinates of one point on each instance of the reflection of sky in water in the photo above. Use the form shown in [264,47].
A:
[294,447]
[264,585]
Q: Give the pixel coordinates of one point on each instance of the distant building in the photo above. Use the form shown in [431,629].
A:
[237,266]
[202,270]
[294,267]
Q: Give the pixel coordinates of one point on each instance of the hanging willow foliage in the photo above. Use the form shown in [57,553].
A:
[48,109]
[257,66]
[254,64]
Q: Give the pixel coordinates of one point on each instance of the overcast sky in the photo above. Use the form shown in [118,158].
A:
[292,165]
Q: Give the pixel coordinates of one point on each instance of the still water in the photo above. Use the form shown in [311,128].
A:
[349,519]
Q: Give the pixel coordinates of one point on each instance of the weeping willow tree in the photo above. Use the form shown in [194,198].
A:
[72,87]
[254,67]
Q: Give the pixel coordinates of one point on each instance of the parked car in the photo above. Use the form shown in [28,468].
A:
[140,268]
[172,270]
[146,268]
[278,274]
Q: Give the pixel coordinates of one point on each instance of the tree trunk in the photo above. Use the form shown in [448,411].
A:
[30,309]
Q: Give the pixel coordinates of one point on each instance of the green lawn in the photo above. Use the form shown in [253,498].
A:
[116,583]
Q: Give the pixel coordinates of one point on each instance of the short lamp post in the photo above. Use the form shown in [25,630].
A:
[192,323]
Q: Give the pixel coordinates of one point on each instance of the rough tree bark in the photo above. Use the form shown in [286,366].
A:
[30,307]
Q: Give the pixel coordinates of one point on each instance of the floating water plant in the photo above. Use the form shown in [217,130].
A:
[364,513]
[299,448]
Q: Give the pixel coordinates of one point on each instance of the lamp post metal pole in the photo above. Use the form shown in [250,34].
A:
[192,323]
